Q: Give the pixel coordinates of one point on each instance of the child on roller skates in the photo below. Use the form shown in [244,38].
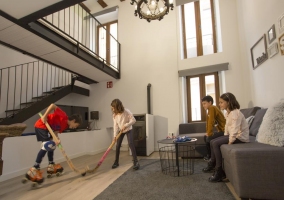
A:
[58,121]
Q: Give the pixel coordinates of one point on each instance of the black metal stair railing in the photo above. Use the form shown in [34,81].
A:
[23,85]
[79,26]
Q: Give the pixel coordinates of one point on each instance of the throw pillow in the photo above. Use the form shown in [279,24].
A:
[271,130]
[249,120]
[258,117]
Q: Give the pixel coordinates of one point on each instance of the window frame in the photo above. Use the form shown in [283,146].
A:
[202,94]
[107,25]
[199,44]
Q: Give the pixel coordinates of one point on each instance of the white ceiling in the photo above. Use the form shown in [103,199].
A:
[22,8]
[14,35]
[19,37]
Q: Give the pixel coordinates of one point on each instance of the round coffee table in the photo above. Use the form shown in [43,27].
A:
[177,158]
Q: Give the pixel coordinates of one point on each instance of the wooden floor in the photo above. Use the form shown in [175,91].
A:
[71,185]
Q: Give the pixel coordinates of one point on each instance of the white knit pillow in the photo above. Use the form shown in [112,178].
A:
[271,130]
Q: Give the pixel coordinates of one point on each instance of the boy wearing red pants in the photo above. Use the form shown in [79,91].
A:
[58,121]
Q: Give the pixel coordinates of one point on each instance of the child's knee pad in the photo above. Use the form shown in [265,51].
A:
[49,145]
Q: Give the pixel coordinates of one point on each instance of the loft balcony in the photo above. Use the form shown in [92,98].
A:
[64,35]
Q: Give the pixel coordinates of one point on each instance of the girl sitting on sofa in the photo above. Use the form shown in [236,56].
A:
[236,131]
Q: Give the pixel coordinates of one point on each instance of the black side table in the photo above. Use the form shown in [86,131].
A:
[170,153]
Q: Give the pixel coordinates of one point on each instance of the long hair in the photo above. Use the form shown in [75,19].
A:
[117,105]
[232,101]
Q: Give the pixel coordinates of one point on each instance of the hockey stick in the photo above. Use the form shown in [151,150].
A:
[73,168]
[105,154]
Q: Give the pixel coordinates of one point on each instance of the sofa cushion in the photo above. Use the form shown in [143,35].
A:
[253,130]
[271,130]
[196,127]
[249,111]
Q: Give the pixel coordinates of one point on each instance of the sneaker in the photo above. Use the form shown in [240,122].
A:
[207,158]
[210,167]
[115,164]
[136,165]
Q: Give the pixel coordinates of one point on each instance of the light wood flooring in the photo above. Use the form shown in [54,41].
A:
[71,185]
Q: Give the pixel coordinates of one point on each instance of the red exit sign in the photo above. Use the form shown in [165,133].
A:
[109,84]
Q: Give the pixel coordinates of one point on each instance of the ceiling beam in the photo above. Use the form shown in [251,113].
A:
[102,3]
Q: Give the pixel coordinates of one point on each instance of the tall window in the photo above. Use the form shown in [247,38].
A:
[107,43]
[198,28]
[198,87]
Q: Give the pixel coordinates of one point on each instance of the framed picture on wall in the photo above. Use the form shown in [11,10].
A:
[281,23]
[272,50]
[271,34]
[259,52]
[281,44]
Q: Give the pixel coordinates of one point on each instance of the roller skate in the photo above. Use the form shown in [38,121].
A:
[56,169]
[35,176]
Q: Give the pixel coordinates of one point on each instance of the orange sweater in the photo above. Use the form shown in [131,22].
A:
[214,116]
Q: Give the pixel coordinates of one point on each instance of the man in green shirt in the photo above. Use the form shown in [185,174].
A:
[215,118]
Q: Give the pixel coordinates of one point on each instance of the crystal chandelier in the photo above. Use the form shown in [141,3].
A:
[152,9]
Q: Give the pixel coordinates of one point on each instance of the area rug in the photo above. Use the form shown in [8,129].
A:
[150,183]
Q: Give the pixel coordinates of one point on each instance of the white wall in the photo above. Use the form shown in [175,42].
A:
[255,18]
[150,53]
[230,52]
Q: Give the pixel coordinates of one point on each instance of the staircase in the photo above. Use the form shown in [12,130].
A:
[31,87]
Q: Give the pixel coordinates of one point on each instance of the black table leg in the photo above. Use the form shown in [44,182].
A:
[177,163]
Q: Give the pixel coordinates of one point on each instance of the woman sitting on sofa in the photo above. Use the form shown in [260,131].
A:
[236,131]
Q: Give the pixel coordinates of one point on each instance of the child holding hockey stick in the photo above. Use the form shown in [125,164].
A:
[123,120]
[58,121]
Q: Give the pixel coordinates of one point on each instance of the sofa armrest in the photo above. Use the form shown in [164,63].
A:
[256,171]
[197,127]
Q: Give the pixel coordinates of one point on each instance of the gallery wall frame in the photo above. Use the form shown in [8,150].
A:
[259,52]
[271,34]
[281,23]
[281,44]
[273,50]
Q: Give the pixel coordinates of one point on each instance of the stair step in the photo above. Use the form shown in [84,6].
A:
[39,97]
[27,103]
[15,110]
[48,92]
[56,88]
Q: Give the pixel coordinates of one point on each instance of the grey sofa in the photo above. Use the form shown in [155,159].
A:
[255,170]
[198,130]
